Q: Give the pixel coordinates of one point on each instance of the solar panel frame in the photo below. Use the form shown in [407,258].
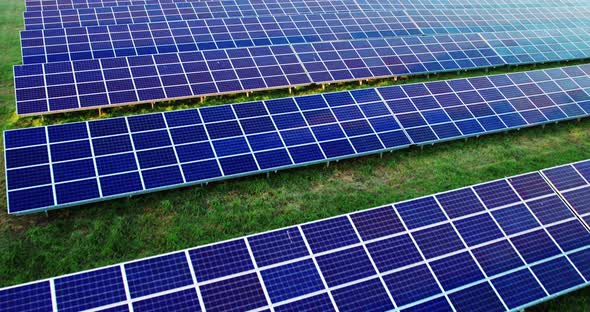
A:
[309,130]
[451,296]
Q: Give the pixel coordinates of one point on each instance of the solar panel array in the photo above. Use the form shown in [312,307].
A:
[448,21]
[57,166]
[63,86]
[93,42]
[179,11]
[502,245]
[150,53]
[79,43]
[540,46]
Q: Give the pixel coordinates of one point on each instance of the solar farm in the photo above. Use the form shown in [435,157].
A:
[295,155]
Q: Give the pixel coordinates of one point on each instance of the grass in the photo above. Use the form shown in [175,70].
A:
[39,246]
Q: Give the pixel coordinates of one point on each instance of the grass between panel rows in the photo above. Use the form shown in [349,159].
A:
[38,246]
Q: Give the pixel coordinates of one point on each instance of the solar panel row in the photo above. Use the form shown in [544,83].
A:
[191,11]
[70,164]
[496,246]
[176,11]
[40,5]
[77,43]
[62,86]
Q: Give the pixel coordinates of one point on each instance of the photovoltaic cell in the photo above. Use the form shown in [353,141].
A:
[338,263]
[128,155]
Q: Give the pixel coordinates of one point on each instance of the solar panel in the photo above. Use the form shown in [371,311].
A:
[145,13]
[379,259]
[70,164]
[527,47]
[57,45]
[572,183]
[449,21]
[328,62]
[64,86]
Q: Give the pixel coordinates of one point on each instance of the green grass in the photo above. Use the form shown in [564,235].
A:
[39,246]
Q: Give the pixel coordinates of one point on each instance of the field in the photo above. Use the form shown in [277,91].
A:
[70,240]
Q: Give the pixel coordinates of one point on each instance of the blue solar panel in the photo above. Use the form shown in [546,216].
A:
[30,297]
[94,42]
[487,20]
[48,15]
[497,257]
[480,297]
[411,285]
[292,280]
[193,146]
[85,84]
[319,302]
[364,296]
[456,270]
[438,240]
[518,288]
[557,275]
[90,290]
[235,294]
[330,234]
[186,300]
[221,260]
[157,274]
[345,266]
[420,212]
[533,46]
[343,262]
[277,246]
[534,246]
[377,223]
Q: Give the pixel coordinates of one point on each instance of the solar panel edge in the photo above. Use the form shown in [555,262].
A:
[444,293]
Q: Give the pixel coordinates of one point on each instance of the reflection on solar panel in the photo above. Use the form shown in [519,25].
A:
[497,246]
[56,45]
[573,184]
[526,47]
[58,166]
[63,86]
[449,21]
